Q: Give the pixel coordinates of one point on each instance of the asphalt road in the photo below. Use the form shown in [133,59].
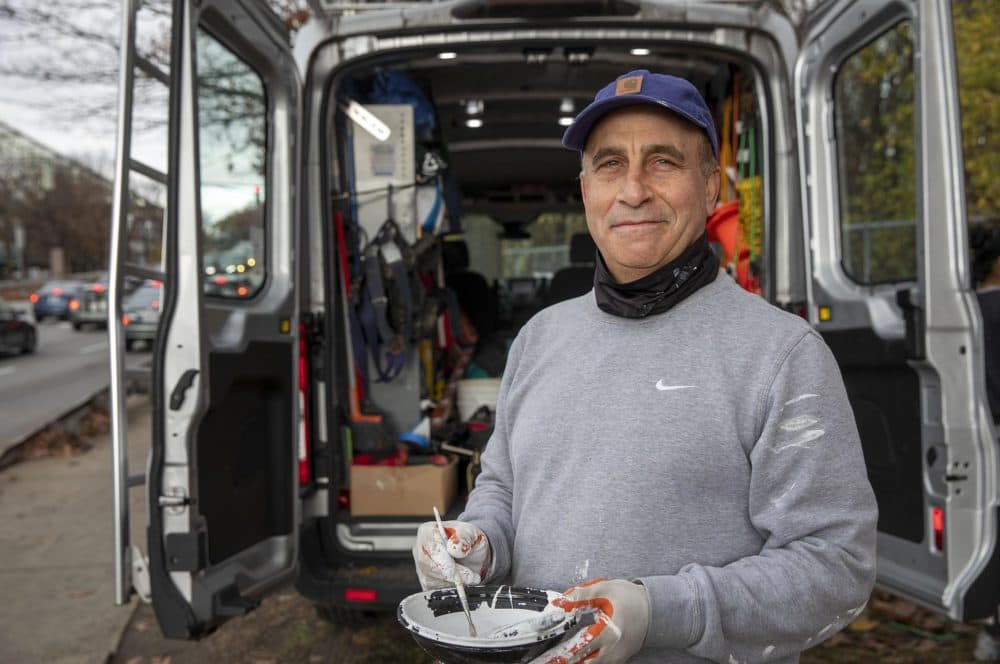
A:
[67,369]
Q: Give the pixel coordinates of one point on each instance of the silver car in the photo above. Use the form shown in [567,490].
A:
[141,315]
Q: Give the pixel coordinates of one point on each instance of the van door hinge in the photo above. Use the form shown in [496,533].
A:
[140,574]
[175,500]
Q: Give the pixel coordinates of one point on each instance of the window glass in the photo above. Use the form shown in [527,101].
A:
[875,125]
[232,133]
[977,50]
[545,249]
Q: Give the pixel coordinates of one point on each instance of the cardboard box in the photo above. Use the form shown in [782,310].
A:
[403,490]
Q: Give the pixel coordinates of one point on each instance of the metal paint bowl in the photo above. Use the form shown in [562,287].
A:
[437,622]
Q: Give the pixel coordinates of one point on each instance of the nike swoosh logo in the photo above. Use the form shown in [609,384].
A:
[662,387]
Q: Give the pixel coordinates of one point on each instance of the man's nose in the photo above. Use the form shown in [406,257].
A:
[634,191]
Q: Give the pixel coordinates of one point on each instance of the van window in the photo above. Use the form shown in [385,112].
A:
[875,123]
[547,250]
[526,250]
[976,48]
[232,134]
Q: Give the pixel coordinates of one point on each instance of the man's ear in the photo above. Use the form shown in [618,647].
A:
[583,186]
[712,185]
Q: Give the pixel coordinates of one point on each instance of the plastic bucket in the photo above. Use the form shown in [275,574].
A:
[476,392]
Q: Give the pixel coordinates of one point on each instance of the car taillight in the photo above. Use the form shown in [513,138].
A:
[33,298]
[937,525]
[125,320]
[242,291]
[305,473]
[154,305]
[57,292]
[74,304]
[97,288]
[360,595]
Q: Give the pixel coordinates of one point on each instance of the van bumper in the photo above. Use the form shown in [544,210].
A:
[374,583]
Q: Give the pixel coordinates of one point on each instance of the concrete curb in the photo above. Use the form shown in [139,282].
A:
[69,420]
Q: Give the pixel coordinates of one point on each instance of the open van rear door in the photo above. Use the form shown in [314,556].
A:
[881,158]
[222,483]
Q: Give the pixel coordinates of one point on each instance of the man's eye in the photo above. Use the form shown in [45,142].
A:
[610,163]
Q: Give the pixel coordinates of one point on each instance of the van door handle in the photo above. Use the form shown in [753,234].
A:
[181,388]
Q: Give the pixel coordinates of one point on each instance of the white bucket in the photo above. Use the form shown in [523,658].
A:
[476,392]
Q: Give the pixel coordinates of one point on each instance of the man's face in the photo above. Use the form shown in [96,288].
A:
[644,189]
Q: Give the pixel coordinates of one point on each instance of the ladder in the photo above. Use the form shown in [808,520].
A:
[131,572]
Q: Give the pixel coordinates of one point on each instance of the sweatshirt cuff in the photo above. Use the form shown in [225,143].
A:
[676,619]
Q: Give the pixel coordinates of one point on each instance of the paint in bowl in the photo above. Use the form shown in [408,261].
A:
[514,624]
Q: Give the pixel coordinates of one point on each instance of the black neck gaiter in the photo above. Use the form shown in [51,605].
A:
[655,293]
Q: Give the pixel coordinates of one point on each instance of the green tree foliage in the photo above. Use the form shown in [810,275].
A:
[874,101]
[977,46]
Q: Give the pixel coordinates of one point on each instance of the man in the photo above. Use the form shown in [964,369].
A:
[986,276]
[668,431]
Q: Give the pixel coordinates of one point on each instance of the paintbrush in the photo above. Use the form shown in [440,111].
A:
[459,587]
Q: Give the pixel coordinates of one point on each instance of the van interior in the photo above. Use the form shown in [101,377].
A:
[468,218]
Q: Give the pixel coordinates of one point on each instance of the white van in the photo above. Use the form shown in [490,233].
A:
[300,332]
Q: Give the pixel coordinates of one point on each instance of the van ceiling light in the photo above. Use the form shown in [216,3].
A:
[579,54]
[474,107]
[474,123]
[368,121]
[537,56]
[640,51]
[447,55]
[565,121]
[566,106]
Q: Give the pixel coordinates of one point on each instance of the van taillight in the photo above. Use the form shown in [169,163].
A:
[344,499]
[937,525]
[360,595]
[305,473]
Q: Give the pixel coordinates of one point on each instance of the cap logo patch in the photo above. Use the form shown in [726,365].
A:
[628,85]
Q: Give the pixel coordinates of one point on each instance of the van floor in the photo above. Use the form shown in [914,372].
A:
[286,628]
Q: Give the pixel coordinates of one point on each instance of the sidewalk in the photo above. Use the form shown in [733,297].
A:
[57,552]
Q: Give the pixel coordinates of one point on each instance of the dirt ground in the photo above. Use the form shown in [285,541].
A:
[286,628]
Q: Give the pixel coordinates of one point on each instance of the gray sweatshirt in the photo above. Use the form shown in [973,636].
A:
[708,452]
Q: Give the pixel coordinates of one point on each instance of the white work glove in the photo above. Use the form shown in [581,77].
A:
[467,556]
[620,624]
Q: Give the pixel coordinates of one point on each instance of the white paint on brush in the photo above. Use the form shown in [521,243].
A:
[768,650]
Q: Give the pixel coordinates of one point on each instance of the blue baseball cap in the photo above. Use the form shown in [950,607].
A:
[642,87]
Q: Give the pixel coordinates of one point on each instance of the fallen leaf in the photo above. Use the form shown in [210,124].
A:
[863,624]
[897,609]
[77,594]
[837,639]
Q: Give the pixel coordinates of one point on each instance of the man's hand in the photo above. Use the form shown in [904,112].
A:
[467,556]
[619,629]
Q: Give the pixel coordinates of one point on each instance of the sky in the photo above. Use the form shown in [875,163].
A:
[60,89]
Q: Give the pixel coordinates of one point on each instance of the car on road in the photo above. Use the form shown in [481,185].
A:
[17,330]
[141,315]
[53,299]
[90,307]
